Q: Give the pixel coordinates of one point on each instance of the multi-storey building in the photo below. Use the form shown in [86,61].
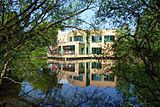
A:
[84,44]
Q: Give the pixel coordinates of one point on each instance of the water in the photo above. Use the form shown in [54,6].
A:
[83,83]
[85,73]
[70,95]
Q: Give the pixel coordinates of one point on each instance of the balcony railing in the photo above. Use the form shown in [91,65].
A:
[68,52]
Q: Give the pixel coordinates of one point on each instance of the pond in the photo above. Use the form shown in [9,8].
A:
[84,83]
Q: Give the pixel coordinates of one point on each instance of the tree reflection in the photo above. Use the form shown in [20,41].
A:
[70,96]
[45,88]
[44,80]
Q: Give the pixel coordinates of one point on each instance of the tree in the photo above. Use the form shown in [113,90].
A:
[137,46]
[25,24]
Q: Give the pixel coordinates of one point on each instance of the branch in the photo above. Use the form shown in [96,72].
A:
[28,14]
[45,42]
[123,37]
[66,18]
[75,27]
[4,70]
[12,80]
[83,21]
[24,12]
[151,7]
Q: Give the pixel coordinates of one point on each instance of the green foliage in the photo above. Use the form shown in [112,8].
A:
[44,81]
[138,62]
[36,71]
[28,26]
[40,53]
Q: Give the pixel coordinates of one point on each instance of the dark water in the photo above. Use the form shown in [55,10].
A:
[69,83]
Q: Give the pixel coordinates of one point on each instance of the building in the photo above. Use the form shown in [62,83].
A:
[80,44]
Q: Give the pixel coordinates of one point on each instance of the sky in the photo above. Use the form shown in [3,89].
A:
[89,16]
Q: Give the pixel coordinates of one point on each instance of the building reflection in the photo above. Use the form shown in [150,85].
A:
[86,72]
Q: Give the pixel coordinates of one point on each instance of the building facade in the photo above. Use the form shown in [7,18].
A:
[84,44]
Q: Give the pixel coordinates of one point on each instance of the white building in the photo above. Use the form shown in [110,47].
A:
[84,44]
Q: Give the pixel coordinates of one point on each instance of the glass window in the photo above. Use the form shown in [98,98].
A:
[96,51]
[69,49]
[96,38]
[82,51]
[108,38]
[109,77]
[88,39]
[88,50]
[80,77]
[81,68]
[96,77]
[78,38]
[70,39]
[97,65]
[111,38]
[59,49]
[69,67]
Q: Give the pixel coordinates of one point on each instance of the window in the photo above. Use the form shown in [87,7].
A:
[96,51]
[81,68]
[96,38]
[108,38]
[82,51]
[78,38]
[69,67]
[60,50]
[69,49]
[88,39]
[97,65]
[112,38]
[70,39]
[109,77]
[96,77]
[88,50]
[80,77]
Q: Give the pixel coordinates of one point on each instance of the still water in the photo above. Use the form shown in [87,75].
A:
[85,73]
[84,83]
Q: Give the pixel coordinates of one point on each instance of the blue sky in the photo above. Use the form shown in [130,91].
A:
[88,16]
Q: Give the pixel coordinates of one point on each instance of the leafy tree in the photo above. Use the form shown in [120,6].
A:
[29,24]
[137,46]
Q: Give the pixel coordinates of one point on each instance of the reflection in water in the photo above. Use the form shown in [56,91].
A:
[84,73]
[85,83]
[82,83]
[71,96]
